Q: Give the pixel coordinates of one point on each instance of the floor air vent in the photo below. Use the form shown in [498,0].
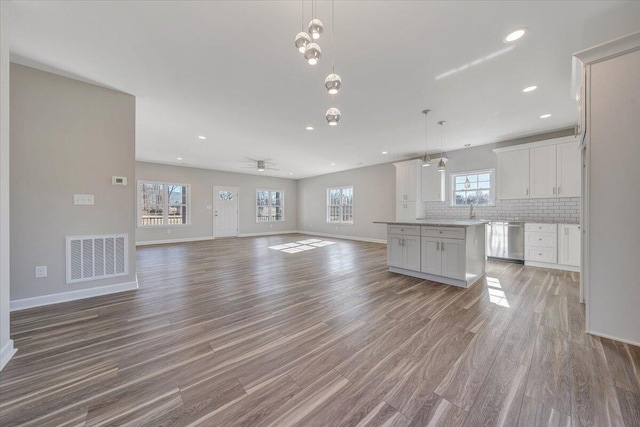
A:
[97,257]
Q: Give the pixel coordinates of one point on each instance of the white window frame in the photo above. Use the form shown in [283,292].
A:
[329,205]
[492,186]
[165,208]
[269,205]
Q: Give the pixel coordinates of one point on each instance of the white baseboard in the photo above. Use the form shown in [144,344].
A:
[552,266]
[598,334]
[341,236]
[7,353]
[268,233]
[164,242]
[21,304]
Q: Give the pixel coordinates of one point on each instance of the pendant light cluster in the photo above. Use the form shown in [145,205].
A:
[305,43]
[467,183]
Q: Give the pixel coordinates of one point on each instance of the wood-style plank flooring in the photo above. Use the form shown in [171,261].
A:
[230,332]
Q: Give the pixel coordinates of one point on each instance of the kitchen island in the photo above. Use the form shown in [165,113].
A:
[445,251]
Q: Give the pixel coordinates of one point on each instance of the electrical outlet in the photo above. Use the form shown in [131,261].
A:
[41,271]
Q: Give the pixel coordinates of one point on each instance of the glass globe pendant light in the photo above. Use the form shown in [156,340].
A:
[312,53]
[441,164]
[333,83]
[333,116]
[302,40]
[316,28]
[426,160]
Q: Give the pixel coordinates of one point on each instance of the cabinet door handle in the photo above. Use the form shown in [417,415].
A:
[442,246]
[558,190]
[527,191]
[437,246]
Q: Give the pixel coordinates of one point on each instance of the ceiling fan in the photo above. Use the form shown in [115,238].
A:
[260,165]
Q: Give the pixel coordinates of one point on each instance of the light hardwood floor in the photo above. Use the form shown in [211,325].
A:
[230,332]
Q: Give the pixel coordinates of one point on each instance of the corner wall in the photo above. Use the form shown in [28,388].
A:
[67,137]
[202,182]
[6,344]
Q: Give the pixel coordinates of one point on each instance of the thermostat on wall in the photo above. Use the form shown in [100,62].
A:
[119,180]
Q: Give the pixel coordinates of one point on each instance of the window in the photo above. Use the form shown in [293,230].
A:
[163,204]
[340,205]
[269,205]
[480,189]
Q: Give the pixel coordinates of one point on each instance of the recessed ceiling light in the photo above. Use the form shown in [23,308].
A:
[179,158]
[530,88]
[290,173]
[309,128]
[202,137]
[545,116]
[384,152]
[333,164]
[515,35]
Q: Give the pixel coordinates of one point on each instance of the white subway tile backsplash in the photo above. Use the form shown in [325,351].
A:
[561,210]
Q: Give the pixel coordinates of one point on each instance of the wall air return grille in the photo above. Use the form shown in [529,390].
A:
[97,257]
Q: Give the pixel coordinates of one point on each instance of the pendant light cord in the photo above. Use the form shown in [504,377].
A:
[426,121]
[333,36]
[302,16]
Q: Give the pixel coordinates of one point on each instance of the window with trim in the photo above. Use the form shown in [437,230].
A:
[340,205]
[269,205]
[476,187]
[163,204]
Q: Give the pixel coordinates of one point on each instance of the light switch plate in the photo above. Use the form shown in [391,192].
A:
[83,199]
[41,271]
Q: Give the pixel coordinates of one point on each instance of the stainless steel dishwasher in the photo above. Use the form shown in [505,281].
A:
[505,240]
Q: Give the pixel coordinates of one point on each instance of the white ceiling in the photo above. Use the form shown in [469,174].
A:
[228,70]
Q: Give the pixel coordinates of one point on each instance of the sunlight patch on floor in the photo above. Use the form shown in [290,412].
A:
[301,246]
[496,294]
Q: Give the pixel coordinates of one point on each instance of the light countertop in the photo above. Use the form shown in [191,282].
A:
[437,222]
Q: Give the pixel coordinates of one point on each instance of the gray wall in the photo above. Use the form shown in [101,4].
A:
[66,137]
[374,193]
[202,182]
[6,345]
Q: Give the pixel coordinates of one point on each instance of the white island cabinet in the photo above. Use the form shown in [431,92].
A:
[450,252]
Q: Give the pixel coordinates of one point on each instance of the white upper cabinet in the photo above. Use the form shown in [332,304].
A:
[513,174]
[542,172]
[408,189]
[543,169]
[568,169]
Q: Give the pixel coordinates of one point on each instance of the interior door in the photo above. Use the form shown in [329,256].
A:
[225,211]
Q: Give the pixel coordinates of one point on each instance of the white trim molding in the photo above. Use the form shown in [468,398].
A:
[21,304]
[7,353]
[164,242]
[610,337]
[268,233]
[341,236]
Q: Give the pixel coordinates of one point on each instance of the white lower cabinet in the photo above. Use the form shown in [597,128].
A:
[569,244]
[403,250]
[552,246]
[443,257]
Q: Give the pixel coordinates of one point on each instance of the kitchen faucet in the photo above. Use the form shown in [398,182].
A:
[471,213]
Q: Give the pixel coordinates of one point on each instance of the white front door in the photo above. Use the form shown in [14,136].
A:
[225,211]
